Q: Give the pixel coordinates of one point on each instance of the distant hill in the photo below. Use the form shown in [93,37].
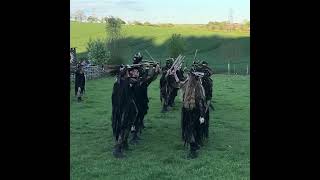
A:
[218,48]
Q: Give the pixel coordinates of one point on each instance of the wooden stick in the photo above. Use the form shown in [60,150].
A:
[195,54]
[149,54]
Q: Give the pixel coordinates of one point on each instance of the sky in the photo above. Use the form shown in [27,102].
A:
[166,11]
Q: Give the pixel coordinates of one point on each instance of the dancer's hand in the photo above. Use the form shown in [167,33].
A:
[201,120]
[157,68]
[133,128]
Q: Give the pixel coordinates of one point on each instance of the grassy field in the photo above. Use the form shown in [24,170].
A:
[217,48]
[161,154]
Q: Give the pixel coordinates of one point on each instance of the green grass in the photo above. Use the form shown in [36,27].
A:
[161,154]
[215,47]
[81,32]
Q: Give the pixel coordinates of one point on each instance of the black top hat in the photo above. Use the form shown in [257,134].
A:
[137,58]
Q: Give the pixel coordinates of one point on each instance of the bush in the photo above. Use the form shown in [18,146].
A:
[97,52]
[218,25]
[166,25]
[121,21]
[137,23]
[177,45]
[147,24]
[81,58]
[115,42]
[113,28]
[113,19]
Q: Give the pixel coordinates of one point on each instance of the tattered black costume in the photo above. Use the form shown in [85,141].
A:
[193,110]
[124,110]
[80,82]
[141,96]
[129,106]
[168,86]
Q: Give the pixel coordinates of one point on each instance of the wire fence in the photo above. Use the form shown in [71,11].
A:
[91,72]
[240,68]
[231,68]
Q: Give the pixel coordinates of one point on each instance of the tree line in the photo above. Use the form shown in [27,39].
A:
[212,25]
[80,16]
[225,26]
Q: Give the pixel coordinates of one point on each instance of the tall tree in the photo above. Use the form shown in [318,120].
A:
[79,15]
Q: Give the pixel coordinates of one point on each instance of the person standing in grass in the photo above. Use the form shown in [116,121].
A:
[193,110]
[168,86]
[124,108]
[164,90]
[127,107]
[147,75]
[80,82]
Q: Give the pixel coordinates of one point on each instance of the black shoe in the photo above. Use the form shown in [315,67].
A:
[197,147]
[200,144]
[138,138]
[192,154]
[79,99]
[126,146]
[164,109]
[134,139]
[172,104]
[117,152]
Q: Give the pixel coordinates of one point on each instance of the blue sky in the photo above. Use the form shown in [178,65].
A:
[166,11]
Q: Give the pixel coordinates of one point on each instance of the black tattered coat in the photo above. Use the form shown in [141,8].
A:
[124,109]
[80,81]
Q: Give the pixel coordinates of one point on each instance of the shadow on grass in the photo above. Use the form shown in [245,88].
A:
[216,50]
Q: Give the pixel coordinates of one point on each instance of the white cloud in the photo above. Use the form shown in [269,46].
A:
[101,7]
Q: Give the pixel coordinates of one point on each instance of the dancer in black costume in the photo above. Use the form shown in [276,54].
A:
[80,82]
[127,107]
[147,75]
[193,110]
[168,85]
[124,108]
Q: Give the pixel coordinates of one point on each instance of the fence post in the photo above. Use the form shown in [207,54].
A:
[247,69]
[229,68]
[234,69]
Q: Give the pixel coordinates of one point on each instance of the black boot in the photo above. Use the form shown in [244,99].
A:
[117,151]
[138,138]
[198,142]
[164,109]
[172,104]
[126,146]
[135,138]
[143,126]
[193,151]
[197,146]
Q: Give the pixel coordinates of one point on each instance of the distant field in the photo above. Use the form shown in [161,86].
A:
[215,47]
[161,154]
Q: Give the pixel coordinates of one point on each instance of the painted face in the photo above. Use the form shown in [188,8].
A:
[134,73]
